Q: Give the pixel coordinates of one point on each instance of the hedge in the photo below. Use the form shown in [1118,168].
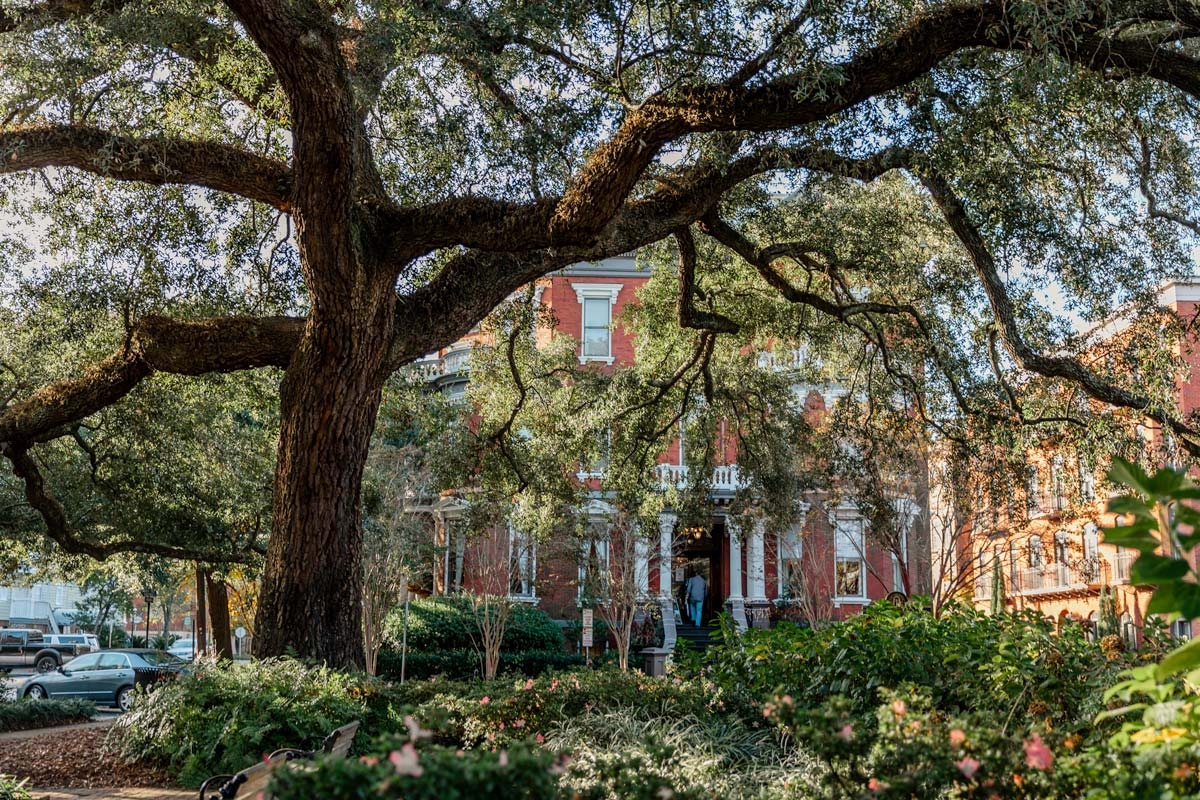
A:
[437,624]
[463,664]
[24,714]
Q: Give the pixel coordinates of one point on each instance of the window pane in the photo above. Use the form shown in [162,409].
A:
[596,326]
[849,578]
[849,538]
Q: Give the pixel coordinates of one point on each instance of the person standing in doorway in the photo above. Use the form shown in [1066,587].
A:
[695,589]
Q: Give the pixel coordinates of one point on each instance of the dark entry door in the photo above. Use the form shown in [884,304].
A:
[701,553]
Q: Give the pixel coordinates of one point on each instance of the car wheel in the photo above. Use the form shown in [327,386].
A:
[124,697]
[47,664]
[35,692]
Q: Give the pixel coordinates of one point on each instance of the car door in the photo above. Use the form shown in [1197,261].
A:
[112,672]
[74,679]
[12,647]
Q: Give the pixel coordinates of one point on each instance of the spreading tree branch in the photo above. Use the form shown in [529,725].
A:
[154,160]
[155,344]
[1010,335]
[58,527]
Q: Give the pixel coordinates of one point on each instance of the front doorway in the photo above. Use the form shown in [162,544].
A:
[699,554]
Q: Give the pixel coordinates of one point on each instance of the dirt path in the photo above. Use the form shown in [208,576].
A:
[69,762]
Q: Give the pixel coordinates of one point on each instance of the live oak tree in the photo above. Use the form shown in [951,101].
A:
[427,159]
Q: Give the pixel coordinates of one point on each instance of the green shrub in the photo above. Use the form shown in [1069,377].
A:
[465,664]
[428,773]
[25,714]
[716,755]
[224,717]
[13,789]
[498,713]
[446,623]
[1009,665]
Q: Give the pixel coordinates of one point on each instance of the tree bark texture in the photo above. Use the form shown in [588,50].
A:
[311,593]
[218,610]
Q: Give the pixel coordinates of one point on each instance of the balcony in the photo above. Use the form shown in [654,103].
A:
[726,479]
[1054,578]
[451,365]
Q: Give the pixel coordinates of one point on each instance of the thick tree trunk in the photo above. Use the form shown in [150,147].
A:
[312,586]
[218,611]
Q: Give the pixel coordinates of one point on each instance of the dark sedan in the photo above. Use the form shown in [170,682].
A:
[107,677]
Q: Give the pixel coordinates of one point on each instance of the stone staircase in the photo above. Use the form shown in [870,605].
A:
[697,638]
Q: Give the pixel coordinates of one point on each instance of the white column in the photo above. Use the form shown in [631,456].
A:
[735,560]
[735,602]
[666,603]
[666,532]
[641,565]
[756,567]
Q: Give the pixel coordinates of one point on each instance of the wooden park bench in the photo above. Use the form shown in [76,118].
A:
[252,781]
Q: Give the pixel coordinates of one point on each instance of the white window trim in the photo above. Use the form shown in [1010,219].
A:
[513,536]
[600,538]
[851,514]
[789,547]
[584,291]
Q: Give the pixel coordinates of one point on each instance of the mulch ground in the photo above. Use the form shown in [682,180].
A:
[73,758]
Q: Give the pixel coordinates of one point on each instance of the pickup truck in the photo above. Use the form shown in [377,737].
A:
[28,648]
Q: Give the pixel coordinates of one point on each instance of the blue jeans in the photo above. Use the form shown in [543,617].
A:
[695,609]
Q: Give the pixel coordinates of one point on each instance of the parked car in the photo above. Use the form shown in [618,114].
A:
[73,638]
[24,647]
[107,677]
[183,648]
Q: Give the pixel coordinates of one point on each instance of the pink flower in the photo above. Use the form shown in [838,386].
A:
[405,761]
[554,684]
[957,737]
[847,732]
[484,701]
[503,759]
[876,785]
[519,723]
[529,684]
[540,739]
[899,708]
[370,761]
[968,767]
[415,731]
[1037,754]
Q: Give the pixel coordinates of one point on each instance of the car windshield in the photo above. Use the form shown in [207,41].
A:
[161,658]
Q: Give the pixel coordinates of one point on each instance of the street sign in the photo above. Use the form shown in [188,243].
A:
[586,640]
[240,632]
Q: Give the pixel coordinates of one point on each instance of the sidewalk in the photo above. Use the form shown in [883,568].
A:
[112,794]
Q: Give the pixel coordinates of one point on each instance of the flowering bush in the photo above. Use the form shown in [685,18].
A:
[503,712]
[424,772]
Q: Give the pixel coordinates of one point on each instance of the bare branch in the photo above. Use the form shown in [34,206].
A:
[757,64]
